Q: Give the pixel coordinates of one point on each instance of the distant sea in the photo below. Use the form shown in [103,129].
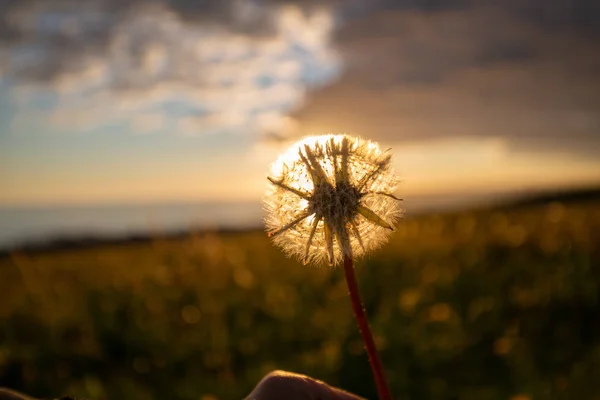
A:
[34,225]
[38,225]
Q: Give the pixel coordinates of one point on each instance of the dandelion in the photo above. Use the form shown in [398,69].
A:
[332,197]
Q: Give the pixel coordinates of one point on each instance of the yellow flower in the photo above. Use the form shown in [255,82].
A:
[331,196]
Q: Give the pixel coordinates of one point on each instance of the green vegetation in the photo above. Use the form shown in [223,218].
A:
[482,305]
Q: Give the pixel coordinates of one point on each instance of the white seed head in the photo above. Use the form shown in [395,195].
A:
[331,196]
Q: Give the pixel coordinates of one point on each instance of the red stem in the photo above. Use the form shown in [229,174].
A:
[363,326]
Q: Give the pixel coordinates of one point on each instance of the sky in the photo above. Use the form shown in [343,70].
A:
[112,101]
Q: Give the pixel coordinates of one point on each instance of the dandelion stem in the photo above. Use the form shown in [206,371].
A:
[363,326]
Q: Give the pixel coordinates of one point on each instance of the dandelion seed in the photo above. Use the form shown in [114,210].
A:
[331,197]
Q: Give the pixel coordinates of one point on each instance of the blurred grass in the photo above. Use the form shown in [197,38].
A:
[477,305]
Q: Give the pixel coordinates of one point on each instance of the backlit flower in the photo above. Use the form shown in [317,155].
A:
[331,196]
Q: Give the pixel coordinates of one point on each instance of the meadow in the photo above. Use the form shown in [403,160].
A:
[491,304]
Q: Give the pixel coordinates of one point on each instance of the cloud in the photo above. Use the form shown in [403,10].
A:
[523,71]
[212,67]
[488,70]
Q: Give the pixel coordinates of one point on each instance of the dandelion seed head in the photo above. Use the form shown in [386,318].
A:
[331,196]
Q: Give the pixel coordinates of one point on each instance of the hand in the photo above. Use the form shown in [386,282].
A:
[7,394]
[277,385]
[281,385]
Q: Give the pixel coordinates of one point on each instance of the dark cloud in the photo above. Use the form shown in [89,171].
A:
[240,16]
[423,5]
[524,70]
[184,67]
[492,70]
[51,37]
[63,45]
[582,16]
[9,32]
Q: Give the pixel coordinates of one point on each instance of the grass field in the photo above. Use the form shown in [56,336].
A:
[481,305]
